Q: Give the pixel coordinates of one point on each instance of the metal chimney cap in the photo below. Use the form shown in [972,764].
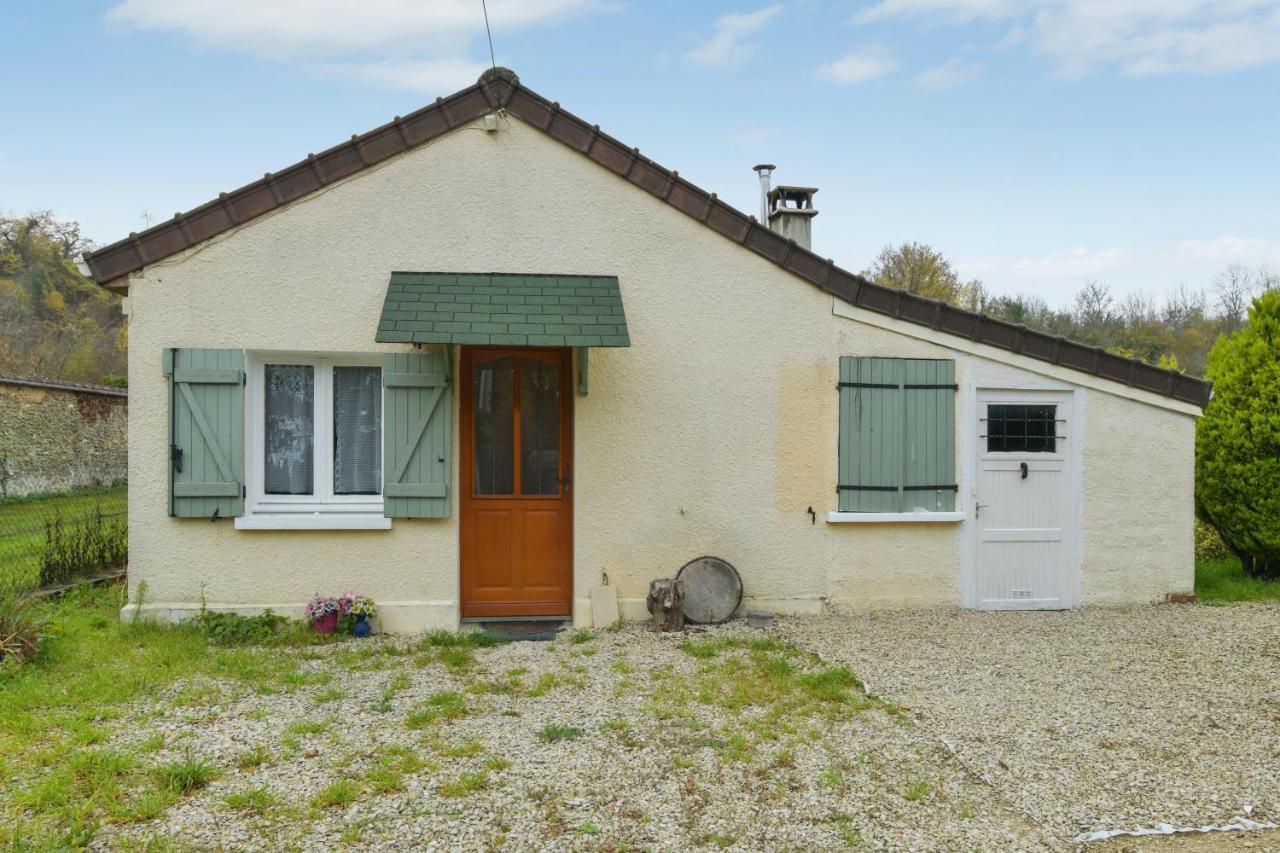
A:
[764,167]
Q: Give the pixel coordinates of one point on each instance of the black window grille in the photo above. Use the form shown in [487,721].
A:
[1022,429]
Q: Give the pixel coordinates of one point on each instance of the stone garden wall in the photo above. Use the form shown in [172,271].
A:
[56,436]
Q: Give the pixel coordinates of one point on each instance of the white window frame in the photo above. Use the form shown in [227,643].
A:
[322,510]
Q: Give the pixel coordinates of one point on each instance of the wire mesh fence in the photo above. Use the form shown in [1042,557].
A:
[46,540]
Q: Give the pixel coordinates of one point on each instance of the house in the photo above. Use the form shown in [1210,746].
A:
[473,359]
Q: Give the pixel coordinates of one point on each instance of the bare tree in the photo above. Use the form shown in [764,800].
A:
[1234,288]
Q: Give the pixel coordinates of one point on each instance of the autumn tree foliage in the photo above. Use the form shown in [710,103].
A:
[1238,441]
[54,322]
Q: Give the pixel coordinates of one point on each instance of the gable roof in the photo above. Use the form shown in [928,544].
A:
[501,89]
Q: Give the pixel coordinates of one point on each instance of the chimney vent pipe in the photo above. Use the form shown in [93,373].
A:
[765,171]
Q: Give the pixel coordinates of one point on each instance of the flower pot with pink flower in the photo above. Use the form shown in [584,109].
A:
[322,612]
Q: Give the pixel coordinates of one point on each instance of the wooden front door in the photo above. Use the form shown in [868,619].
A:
[515,483]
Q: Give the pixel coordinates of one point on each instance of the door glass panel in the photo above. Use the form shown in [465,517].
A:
[357,430]
[539,427]
[290,428]
[1022,429]
[494,438]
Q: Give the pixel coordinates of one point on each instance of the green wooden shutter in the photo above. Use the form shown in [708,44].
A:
[897,434]
[930,446]
[417,414]
[206,432]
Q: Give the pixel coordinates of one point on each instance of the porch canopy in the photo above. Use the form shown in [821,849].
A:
[506,309]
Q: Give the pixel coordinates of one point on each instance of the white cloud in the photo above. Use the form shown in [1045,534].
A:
[416,44]
[756,135]
[275,28]
[730,44]
[1158,269]
[941,11]
[859,66]
[427,76]
[948,75]
[1138,37]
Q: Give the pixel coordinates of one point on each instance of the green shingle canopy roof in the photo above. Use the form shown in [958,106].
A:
[503,308]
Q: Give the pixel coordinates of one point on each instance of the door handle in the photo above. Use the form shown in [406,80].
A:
[977,509]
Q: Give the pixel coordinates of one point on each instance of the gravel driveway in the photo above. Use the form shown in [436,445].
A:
[995,731]
[1092,719]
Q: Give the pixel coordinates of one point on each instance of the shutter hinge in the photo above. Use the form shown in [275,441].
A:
[244,492]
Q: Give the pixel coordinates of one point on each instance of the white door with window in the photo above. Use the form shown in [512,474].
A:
[1025,507]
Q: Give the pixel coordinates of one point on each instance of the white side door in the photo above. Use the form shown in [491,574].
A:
[1025,513]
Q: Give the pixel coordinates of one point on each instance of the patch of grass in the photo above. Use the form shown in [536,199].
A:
[444,705]
[152,743]
[848,834]
[737,747]
[831,685]
[582,635]
[254,758]
[496,763]
[544,685]
[456,651]
[1224,581]
[101,763]
[185,776]
[333,694]
[95,668]
[457,659]
[307,727]
[403,760]
[352,833]
[343,792]
[197,695]
[257,800]
[147,806]
[466,749]
[587,829]
[917,790]
[965,811]
[384,780]
[464,785]
[556,733]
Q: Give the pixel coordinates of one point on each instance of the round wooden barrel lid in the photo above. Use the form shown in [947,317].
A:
[712,590]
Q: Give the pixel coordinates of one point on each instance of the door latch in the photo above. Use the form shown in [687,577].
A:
[1024,470]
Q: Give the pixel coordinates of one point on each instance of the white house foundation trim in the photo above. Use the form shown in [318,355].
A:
[394,617]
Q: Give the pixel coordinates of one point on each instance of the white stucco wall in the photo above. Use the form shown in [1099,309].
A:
[713,433]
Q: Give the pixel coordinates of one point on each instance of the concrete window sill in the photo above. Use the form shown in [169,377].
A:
[894,517]
[313,521]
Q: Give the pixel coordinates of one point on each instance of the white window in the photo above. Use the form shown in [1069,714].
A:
[313,429]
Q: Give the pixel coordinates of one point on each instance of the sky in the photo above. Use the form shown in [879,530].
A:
[1038,144]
